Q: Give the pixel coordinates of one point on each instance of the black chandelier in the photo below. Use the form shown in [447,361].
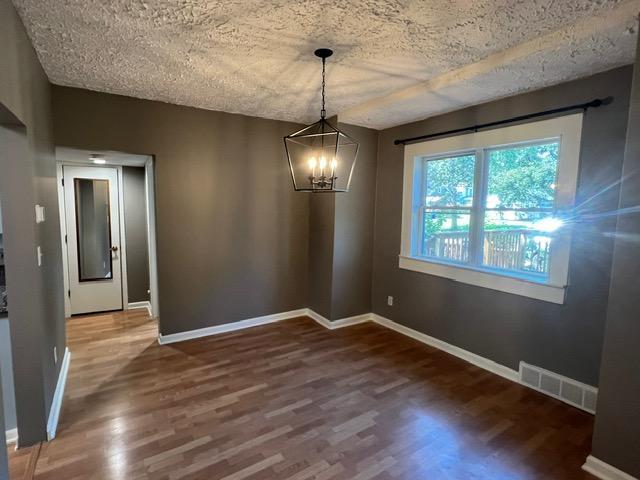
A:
[321,157]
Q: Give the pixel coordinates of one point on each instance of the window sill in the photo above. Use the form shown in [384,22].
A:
[480,278]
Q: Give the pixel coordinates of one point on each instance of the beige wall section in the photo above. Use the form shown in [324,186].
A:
[35,293]
[232,234]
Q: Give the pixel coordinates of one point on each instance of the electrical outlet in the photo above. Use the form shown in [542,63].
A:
[55,355]
[390,301]
[39,255]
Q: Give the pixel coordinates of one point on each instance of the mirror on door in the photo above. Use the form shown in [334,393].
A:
[93,227]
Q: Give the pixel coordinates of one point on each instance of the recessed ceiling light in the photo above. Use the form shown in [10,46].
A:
[95,158]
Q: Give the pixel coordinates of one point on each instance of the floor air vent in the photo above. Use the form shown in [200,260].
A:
[569,391]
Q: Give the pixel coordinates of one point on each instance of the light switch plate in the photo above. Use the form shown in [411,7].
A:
[39,214]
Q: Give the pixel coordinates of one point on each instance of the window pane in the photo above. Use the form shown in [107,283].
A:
[446,235]
[450,181]
[519,241]
[522,176]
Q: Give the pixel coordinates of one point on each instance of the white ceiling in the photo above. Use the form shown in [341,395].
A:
[395,61]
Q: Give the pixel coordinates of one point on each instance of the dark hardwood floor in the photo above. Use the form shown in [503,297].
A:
[295,401]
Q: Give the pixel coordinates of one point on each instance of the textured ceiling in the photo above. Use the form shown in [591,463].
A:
[395,61]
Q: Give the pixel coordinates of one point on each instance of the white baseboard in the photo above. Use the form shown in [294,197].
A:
[343,322]
[56,404]
[476,360]
[145,304]
[11,436]
[254,322]
[230,327]
[465,355]
[604,471]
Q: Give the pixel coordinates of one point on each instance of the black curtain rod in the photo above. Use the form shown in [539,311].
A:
[580,106]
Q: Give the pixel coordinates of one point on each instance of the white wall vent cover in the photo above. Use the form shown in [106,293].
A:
[557,386]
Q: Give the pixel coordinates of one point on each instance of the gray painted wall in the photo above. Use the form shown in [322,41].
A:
[616,438]
[4,461]
[135,226]
[353,231]
[203,156]
[507,328]
[6,372]
[322,208]
[232,234]
[27,177]
[322,220]
[341,237]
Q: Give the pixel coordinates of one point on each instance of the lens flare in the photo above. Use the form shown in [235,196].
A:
[550,224]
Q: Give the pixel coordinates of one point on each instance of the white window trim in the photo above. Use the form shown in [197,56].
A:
[568,128]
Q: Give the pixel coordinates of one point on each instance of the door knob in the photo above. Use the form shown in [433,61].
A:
[114,248]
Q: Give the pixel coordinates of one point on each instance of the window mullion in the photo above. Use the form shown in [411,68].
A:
[478,209]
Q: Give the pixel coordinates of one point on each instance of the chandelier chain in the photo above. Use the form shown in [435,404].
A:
[323,112]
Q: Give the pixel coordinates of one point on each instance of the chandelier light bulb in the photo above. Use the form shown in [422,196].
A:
[323,164]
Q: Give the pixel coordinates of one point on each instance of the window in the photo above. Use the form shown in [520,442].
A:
[490,208]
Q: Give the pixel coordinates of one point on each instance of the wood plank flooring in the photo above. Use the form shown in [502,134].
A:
[295,401]
[23,462]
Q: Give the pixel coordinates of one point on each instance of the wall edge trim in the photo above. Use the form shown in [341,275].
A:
[12,436]
[229,327]
[465,355]
[134,305]
[603,470]
[340,323]
[56,404]
[264,320]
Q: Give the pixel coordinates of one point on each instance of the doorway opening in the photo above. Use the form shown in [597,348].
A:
[107,223]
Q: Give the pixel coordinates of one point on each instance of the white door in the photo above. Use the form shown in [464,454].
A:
[93,238]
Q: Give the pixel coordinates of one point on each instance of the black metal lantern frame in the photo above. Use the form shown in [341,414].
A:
[321,157]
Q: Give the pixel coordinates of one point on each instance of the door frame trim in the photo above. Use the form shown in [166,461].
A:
[150,200]
[123,242]
[152,231]
[63,231]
